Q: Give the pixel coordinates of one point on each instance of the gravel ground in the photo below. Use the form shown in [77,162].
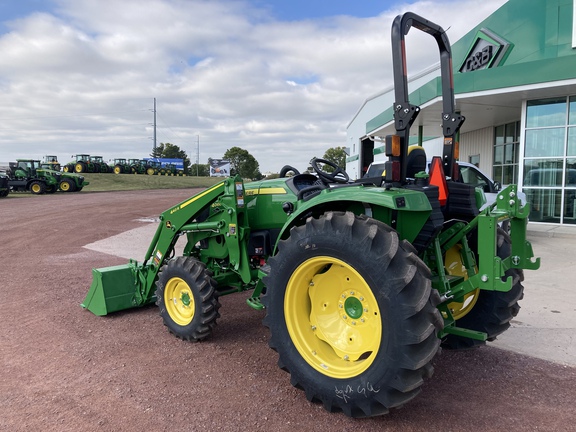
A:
[64,369]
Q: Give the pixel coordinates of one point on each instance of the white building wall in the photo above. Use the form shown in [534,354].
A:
[478,142]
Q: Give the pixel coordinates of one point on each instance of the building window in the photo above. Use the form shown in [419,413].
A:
[506,144]
[550,160]
[474,160]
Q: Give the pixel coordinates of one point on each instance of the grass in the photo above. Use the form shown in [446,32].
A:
[123,182]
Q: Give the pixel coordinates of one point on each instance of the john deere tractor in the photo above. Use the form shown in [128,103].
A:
[68,181]
[52,161]
[28,175]
[82,164]
[100,166]
[4,186]
[361,282]
[121,167]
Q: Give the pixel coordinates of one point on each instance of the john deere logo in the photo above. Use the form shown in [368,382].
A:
[488,50]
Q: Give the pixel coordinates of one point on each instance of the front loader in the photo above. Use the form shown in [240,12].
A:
[361,282]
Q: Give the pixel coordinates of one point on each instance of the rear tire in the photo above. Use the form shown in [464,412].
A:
[352,314]
[493,310]
[187,299]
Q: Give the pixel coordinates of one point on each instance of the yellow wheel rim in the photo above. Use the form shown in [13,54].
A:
[78,168]
[332,317]
[179,301]
[35,188]
[64,186]
[454,267]
[117,170]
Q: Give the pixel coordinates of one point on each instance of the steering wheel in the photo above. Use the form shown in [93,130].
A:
[337,176]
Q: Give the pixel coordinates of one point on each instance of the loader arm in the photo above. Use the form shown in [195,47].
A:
[219,210]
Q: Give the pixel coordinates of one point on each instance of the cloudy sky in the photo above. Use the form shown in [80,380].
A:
[279,78]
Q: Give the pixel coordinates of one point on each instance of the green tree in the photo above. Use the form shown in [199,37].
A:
[243,163]
[336,155]
[201,170]
[171,151]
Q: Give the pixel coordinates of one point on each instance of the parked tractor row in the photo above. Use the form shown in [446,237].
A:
[85,163]
[145,166]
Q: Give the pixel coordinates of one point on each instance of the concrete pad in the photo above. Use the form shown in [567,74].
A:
[131,244]
[546,325]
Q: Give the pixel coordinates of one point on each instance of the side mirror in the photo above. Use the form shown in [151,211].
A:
[497,186]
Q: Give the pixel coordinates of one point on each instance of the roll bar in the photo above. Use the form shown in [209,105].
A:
[404,112]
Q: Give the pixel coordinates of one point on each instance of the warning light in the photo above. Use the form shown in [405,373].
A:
[392,171]
[437,178]
[393,147]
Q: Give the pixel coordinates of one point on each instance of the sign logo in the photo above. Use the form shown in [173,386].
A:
[488,50]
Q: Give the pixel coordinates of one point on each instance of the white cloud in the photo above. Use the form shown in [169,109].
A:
[81,80]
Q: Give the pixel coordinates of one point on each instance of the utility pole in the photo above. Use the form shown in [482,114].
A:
[154,126]
[197,154]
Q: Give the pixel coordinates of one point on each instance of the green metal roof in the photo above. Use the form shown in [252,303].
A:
[540,37]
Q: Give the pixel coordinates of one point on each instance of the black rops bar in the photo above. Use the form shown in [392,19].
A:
[404,112]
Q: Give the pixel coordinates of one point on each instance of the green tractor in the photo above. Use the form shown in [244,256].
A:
[121,166]
[100,166]
[136,166]
[69,182]
[4,186]
[361,282]
[82,164]
[142,166]
[28,175]
[171,170]
[52,161]
[151,167]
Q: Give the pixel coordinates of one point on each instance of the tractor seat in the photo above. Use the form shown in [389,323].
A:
[415,161]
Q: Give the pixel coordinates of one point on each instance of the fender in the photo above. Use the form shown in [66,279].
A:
[403,209]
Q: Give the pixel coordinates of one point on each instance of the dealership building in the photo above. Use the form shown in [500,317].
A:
[515,82]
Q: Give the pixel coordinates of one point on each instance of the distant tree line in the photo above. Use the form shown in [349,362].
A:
[241,161]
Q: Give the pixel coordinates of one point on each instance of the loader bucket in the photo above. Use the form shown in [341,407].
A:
[113,289]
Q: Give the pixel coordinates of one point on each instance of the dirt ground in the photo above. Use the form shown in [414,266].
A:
[64,369]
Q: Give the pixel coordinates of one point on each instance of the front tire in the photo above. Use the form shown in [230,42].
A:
[80,167]
[352,314]
[67,185]
[186,297]
[37,187]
